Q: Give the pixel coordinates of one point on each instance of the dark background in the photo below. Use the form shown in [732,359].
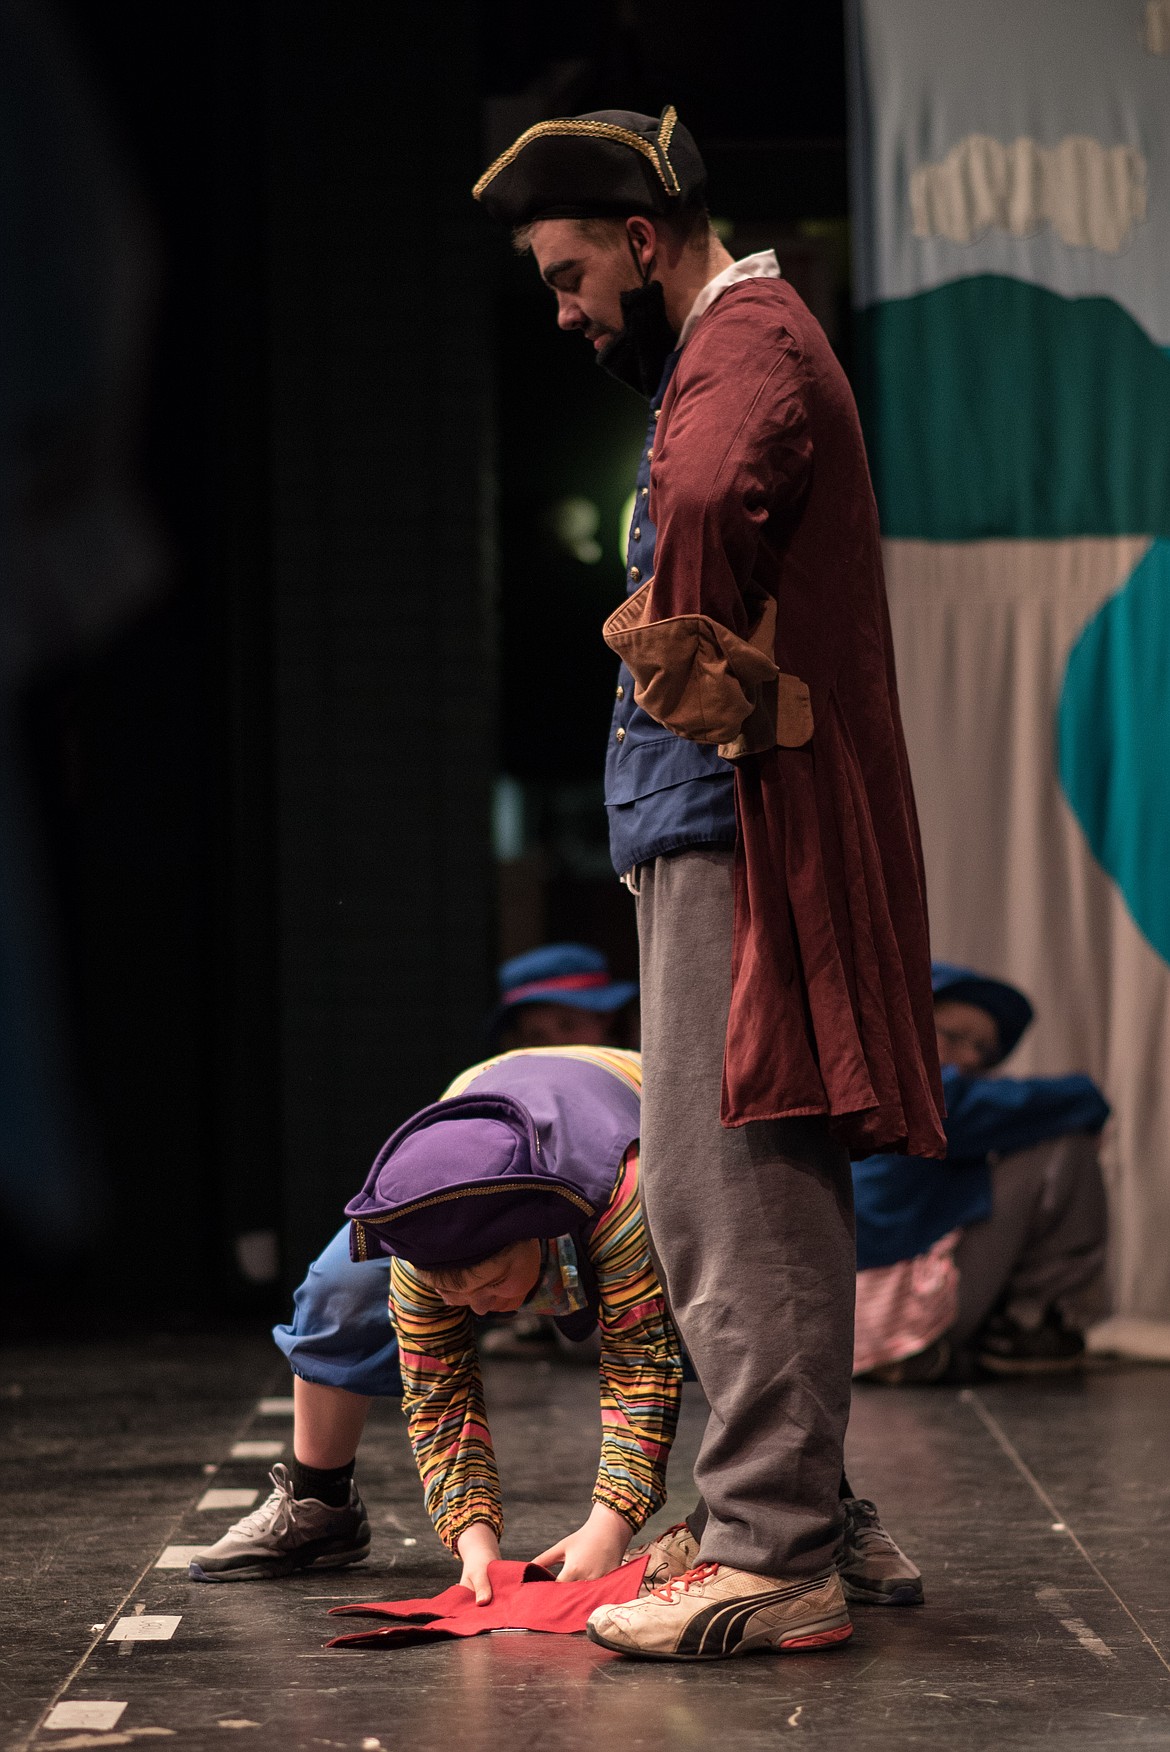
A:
[264,803]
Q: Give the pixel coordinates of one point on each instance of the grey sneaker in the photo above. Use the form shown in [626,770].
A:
[286,1533]
[873,1570]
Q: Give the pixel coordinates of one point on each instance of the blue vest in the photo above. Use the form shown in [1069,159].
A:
[904,1204]
[662,794]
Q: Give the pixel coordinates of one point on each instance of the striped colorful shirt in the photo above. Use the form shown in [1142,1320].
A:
[641,1359]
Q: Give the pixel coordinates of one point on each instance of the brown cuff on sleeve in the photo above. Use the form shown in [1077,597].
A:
[782,719]
[707,684]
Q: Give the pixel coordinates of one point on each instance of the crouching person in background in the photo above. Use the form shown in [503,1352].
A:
[978,1261]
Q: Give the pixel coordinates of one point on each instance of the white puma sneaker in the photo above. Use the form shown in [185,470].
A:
[671,1554]
[712,1612]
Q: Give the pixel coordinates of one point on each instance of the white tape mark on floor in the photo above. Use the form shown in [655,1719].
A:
[1058,1605]
[82,1714]
[145,1628]
[257,1450]
[127,1643]
[275,1408]
[227,1499]
[1088,1639]
[178,1556]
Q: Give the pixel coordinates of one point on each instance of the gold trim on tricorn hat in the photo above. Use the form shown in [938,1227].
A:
[536,177]
[599,130]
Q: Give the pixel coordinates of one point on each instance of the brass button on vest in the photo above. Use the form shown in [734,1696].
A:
[635,574]
[619,735]
[621,692]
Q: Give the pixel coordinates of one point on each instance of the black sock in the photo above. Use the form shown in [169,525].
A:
[844,1492]
[329,1484]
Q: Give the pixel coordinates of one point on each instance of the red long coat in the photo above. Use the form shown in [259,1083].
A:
[765,629]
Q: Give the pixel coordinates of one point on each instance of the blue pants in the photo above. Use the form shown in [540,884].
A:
[340,1334]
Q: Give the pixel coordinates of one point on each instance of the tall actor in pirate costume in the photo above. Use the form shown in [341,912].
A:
[761,810]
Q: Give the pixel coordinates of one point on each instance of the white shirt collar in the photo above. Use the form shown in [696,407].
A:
[763,266]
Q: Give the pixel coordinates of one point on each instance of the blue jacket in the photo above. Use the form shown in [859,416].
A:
[661,792]
[906,1203]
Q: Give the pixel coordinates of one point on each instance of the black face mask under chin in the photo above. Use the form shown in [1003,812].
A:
[637,355]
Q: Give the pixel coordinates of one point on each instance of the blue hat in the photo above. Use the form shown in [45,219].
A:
[1008,1007]
[561,973]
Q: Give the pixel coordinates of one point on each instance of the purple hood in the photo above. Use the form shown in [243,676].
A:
[530,1150]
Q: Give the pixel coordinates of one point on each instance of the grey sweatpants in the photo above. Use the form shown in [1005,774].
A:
[752,1232]
[1044,1243]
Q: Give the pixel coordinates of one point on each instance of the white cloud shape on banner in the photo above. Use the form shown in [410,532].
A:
[1092,195]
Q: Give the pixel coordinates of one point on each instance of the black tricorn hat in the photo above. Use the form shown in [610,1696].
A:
[611,162]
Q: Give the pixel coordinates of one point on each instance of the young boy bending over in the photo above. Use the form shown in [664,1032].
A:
[523,1191]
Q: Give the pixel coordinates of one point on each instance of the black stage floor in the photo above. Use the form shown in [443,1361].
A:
[1039,1515]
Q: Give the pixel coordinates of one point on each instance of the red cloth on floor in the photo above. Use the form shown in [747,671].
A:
[523,1598]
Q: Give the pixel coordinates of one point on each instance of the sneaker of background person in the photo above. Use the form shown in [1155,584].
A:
[873,1569]
[284,1534]
[1005,1347]
[712,1612]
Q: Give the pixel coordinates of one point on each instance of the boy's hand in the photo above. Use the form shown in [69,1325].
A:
[478,1546]
[593,1550]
